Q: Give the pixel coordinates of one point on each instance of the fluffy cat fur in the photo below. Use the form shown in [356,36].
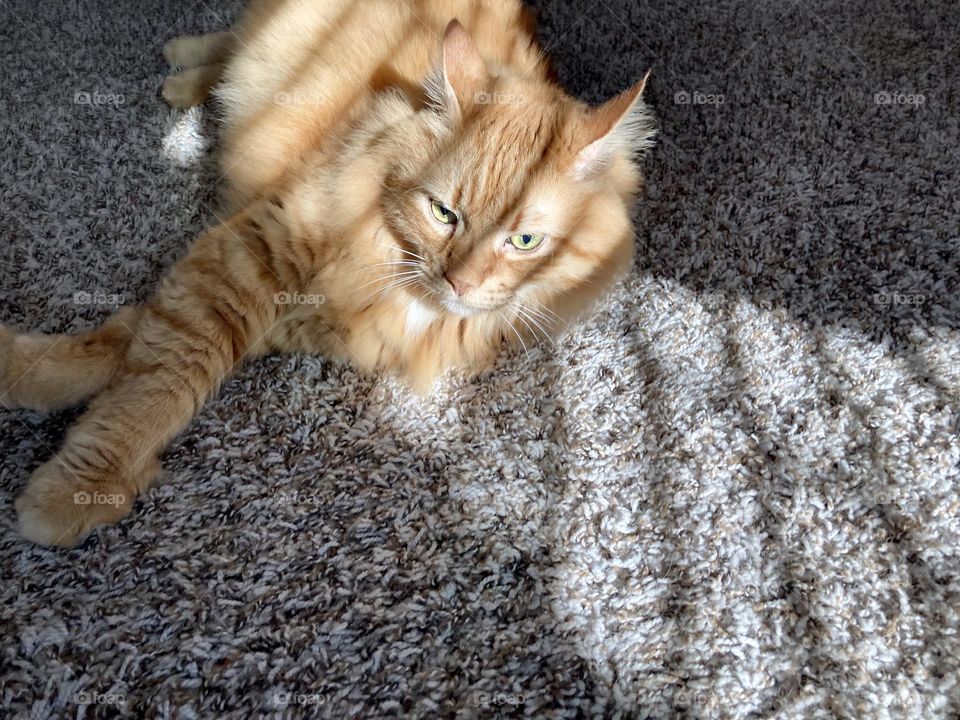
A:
[347,127]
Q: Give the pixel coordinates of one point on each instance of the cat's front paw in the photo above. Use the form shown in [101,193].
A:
[186,89]
[59,508]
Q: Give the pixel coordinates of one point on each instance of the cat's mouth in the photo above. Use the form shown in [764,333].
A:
[440,292]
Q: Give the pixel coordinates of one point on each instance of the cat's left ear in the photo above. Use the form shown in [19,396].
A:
[462,74]
[622,126]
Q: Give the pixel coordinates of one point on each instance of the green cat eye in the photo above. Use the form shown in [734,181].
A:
[525,241]
[441,213]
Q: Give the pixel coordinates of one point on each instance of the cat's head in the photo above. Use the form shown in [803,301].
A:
[512,194]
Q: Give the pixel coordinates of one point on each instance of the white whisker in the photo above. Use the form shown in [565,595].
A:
[389,246]
[396,284]
[521,318]
[544,311]
[413,254]
[534,313]
[524,312]
[391,276]
[510,325]
[411,263]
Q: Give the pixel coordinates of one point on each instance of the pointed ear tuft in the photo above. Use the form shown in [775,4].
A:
[461,75]
[622,126]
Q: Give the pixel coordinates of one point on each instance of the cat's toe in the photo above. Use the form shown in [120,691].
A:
[59,509]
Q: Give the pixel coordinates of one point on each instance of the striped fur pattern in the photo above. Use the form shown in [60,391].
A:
[345,124]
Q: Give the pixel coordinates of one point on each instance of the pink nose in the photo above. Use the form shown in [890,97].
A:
[459,285]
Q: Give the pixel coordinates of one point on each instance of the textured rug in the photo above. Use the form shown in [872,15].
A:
[733,493]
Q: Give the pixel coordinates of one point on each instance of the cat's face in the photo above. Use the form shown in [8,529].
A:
[486,215]
[514,199]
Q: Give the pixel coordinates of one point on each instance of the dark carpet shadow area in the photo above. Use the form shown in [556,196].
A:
[802,162]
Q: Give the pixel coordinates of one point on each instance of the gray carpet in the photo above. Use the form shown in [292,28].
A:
[734,493]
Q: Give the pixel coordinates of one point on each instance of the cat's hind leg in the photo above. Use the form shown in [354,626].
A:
[51,372]
[215,309]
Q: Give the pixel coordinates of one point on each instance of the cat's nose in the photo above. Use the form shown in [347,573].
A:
[460,285]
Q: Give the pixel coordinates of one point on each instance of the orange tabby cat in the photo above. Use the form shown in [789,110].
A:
[409,193]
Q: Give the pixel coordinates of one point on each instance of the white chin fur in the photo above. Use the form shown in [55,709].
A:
[455,307]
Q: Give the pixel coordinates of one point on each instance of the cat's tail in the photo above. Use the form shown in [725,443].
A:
[51,372]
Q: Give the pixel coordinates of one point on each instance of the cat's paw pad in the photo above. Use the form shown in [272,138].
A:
[60,509]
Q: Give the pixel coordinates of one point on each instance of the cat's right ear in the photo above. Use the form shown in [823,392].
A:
[621,126]
[461,76]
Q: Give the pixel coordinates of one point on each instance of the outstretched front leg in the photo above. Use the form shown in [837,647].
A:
[214,310]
